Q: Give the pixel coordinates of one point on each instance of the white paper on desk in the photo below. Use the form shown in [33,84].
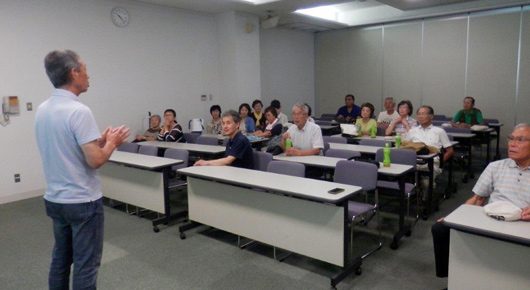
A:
[479,127]
[349,129]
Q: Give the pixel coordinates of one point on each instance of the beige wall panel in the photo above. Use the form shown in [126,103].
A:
[493,44]
[444,65]
[402,62]
[523,105]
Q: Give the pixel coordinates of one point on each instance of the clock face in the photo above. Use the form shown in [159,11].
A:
[119,16]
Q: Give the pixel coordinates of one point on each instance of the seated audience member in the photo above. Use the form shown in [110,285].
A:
[151,133]
[306,137]
[273,128]
[171,131]
[238,149]
[389,115]
[349,112]
[366,122]
[246,125]
[282,118]
[214,127]
[431,136]
[503,180]
[310,119]
[469,116]
[404,122]
[257,115]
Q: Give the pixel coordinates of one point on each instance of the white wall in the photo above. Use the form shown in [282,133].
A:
[287,68]
[433,62]
[165,58]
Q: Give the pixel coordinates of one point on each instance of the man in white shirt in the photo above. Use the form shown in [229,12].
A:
[306,136]
[386,117]
[431,136]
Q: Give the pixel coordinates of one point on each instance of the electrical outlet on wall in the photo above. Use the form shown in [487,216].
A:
[17,177]
[203,98]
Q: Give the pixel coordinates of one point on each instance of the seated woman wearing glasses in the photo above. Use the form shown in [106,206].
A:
[171,131]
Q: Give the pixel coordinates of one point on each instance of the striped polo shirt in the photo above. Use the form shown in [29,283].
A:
[503,180]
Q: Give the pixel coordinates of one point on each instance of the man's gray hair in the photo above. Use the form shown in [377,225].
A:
[390,98]
[58,64]
[157,117]
[302,107]
[235,115]
[521,125]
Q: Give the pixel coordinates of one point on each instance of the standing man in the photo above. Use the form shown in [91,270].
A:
[72,149]
[386,117]
[238,149]
[469,116]
[349,112]
[306,136]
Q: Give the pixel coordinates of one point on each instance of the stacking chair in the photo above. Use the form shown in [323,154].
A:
[323,122]
[405,157]
[331,139]
[381,132]
[439,118]
[326,147]
[191,137]
[129,147]
[327,117]
[374,142]
[261,160]
[183,155]
[207,140]
[361,174]
[148,150]
[461,148]
[342,153]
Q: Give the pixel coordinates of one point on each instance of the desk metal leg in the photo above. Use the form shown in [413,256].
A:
[429,199]
[497,154]
[167,207]
[403,229]
[488,146]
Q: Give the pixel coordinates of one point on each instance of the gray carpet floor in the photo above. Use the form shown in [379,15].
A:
[137,258]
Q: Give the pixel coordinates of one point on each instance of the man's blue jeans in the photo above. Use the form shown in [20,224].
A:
[78,231]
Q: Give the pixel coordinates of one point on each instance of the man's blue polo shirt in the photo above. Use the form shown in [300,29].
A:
[241,149]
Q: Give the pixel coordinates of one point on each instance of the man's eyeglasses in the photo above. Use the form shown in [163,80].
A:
[517,140]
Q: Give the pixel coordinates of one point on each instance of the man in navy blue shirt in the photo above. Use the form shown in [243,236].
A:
[238,150]
[349,112]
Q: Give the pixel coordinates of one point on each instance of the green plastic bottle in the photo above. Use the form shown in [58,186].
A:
[373,131]
[398,140]
[386,155]
[288,143]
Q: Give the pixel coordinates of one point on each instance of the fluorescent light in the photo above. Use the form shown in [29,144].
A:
[259,2]
[324,12]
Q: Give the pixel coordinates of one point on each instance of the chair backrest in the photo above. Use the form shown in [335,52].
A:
[178,154]
[439,117]
[326,147]
[261,160]
[438,122]
[399,156]
[196,125]
[129,147]
[356,173]
[207,140]
[225,141]
[191,137]
[148,150]
[381,132]
[374,142]
[488,121]
[342,153]
[323,122]
[457,130]
[287,168]
[331,139]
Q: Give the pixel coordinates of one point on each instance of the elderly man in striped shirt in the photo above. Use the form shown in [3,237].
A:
[506,180]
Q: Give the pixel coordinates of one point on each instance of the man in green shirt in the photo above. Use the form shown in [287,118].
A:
[469,116]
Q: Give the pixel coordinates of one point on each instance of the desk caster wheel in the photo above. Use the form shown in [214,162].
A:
[156,229]
[393,246]
[182,236]
[358,272]
[408,233]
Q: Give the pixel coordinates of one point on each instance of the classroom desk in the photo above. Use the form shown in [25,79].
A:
[397,171]
[210,151]
[485,253]
[467,140]
[429,159]
[497,128]
[292,213]
[140,180]
[327,130]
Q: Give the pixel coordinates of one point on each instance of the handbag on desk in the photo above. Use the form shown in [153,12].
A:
[273,146]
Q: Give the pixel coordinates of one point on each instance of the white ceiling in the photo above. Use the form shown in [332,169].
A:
[349,13]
